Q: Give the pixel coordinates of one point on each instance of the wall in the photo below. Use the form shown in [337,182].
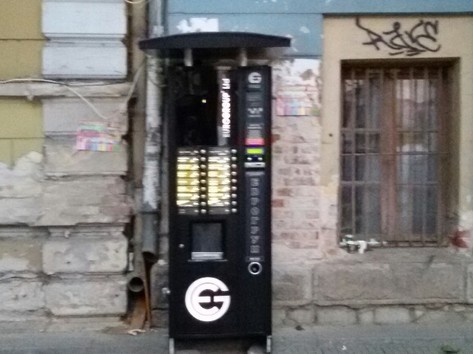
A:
[302,19]
[21,41]
[63,210]
[314,281]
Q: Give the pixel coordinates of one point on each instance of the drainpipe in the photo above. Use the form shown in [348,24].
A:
[152,153]
[153,141]
[146,172]
[146,224]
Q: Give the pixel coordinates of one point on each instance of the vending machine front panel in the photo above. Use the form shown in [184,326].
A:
[220,189]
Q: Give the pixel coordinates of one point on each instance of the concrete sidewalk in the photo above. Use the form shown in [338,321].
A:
[386,339]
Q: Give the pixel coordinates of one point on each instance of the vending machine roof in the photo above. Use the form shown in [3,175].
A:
[214,44]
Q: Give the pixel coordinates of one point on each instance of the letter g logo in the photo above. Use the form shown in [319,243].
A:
[203,303]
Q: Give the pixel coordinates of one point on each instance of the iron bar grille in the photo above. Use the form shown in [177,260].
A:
[394,152]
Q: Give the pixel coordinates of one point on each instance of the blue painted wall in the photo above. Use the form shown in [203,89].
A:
[299,19]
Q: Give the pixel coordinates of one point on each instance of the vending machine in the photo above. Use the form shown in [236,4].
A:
[219,121]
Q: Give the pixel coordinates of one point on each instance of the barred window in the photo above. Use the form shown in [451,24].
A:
[394,153]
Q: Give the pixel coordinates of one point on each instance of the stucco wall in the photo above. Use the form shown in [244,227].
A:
[62,210]
[385,285]
[345,41]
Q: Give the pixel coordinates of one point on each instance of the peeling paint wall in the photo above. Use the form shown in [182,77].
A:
[62,210]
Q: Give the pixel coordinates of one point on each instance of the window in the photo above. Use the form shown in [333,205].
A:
[394,153]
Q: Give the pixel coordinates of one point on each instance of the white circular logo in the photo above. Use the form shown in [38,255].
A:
[255,78]
[202,300]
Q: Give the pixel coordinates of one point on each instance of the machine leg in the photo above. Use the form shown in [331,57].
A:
[269,344]
[171,346]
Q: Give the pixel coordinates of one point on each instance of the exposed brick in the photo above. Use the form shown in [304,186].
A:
[297,139]
[283,224]
[300,181]
[299,239]
[284,192]
[299,159]
[307,171]
[309,149]
[280,213]
[306,192]
[284,171]
[303,202]
[276,150]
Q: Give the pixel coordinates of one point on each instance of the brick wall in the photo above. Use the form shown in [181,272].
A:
[296,155]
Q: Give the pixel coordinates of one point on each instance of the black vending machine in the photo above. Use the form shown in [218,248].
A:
[219,121]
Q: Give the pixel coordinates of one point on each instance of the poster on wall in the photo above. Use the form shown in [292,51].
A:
[297,88]
[293,103]
[97,136]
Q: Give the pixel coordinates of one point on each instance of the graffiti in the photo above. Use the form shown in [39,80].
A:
[420,38]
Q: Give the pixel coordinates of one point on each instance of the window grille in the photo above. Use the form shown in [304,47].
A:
[394,153]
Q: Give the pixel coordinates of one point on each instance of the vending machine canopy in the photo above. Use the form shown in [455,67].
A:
[205,45]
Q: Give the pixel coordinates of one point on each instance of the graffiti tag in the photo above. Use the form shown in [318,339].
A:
[420,38]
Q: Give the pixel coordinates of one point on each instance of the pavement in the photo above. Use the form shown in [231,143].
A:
[386,339]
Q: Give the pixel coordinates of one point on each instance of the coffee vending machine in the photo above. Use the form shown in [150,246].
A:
[218,126]
[220,206]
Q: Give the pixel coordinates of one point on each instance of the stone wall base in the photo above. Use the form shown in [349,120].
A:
[309,315]
[41,322]
[54,274]
[313,315]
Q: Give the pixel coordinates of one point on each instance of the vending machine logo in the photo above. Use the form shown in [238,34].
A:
[207,299]
[255,78]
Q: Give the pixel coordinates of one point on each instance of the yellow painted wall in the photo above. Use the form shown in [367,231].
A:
[21,39]
[20,19]
[20,58]
[343,40]
[21,42]
[21,128]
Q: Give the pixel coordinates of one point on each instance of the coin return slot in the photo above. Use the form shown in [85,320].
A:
[255,268]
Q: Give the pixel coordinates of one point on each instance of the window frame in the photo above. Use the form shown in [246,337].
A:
[389,153]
